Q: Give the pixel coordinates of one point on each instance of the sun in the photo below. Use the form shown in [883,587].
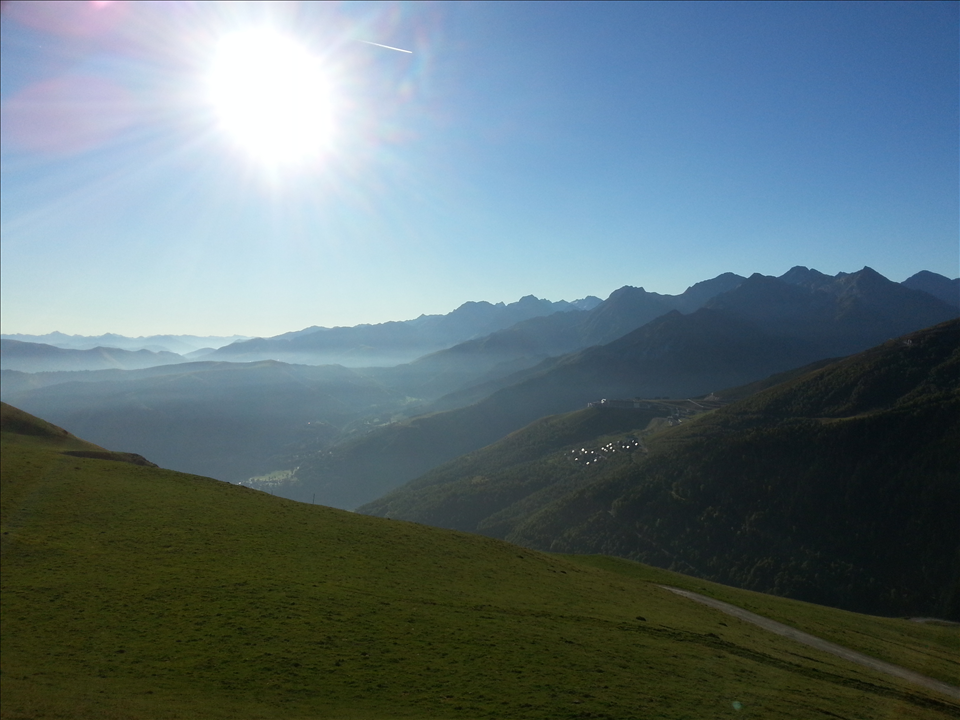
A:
[272,97]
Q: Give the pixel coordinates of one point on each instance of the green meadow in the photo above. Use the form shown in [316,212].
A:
[131,592]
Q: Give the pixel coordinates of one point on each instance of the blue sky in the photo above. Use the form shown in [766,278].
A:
[554,149]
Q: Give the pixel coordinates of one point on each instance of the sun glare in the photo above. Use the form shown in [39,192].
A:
[272,97]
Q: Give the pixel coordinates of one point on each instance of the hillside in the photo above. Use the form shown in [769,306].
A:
[515,475]
[134,592]
[837,486]
[29,429]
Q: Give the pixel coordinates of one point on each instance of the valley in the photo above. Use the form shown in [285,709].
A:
[351,434]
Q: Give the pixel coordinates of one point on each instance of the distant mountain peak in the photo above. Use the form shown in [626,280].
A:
[626,291]
[587,303]
[941,287]
[801,275]
[869,272]
[866,279]
[925,275]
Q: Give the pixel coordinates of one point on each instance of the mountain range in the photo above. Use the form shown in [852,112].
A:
[762,326]
[393,343]
[482,335]
[185,345]
[345,436]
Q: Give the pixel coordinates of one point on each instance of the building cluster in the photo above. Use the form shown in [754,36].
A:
[592,456]
[622,404]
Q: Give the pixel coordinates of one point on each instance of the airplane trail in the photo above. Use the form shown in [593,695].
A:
[387,47]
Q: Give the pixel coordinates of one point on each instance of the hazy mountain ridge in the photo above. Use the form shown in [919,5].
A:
[480,336]
[527,343]
[392,343]
[847,314]
[180,344]
[494,361]
[113,417]
[503,341]
[668,356]
[37,357]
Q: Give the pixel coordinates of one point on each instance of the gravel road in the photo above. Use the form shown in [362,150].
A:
[785,630]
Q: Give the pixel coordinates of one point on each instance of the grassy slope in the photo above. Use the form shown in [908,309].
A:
[927,647]
[133,592]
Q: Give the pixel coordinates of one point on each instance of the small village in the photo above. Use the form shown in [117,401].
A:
[675,412]
[592,456]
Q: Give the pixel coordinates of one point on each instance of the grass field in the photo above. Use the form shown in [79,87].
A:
[137,593]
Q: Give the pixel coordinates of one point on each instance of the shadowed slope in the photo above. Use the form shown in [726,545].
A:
[21,427]
[839,487]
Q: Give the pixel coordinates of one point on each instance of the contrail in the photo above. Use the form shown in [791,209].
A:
[387,47]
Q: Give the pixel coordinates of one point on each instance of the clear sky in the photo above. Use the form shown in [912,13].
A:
[241,168]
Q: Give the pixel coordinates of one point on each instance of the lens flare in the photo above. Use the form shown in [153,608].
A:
[272,97]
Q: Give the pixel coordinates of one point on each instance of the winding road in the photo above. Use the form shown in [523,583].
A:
[786,631]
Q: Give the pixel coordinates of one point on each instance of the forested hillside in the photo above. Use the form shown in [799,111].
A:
[838,487]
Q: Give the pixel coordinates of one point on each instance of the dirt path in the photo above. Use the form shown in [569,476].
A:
[802,637]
